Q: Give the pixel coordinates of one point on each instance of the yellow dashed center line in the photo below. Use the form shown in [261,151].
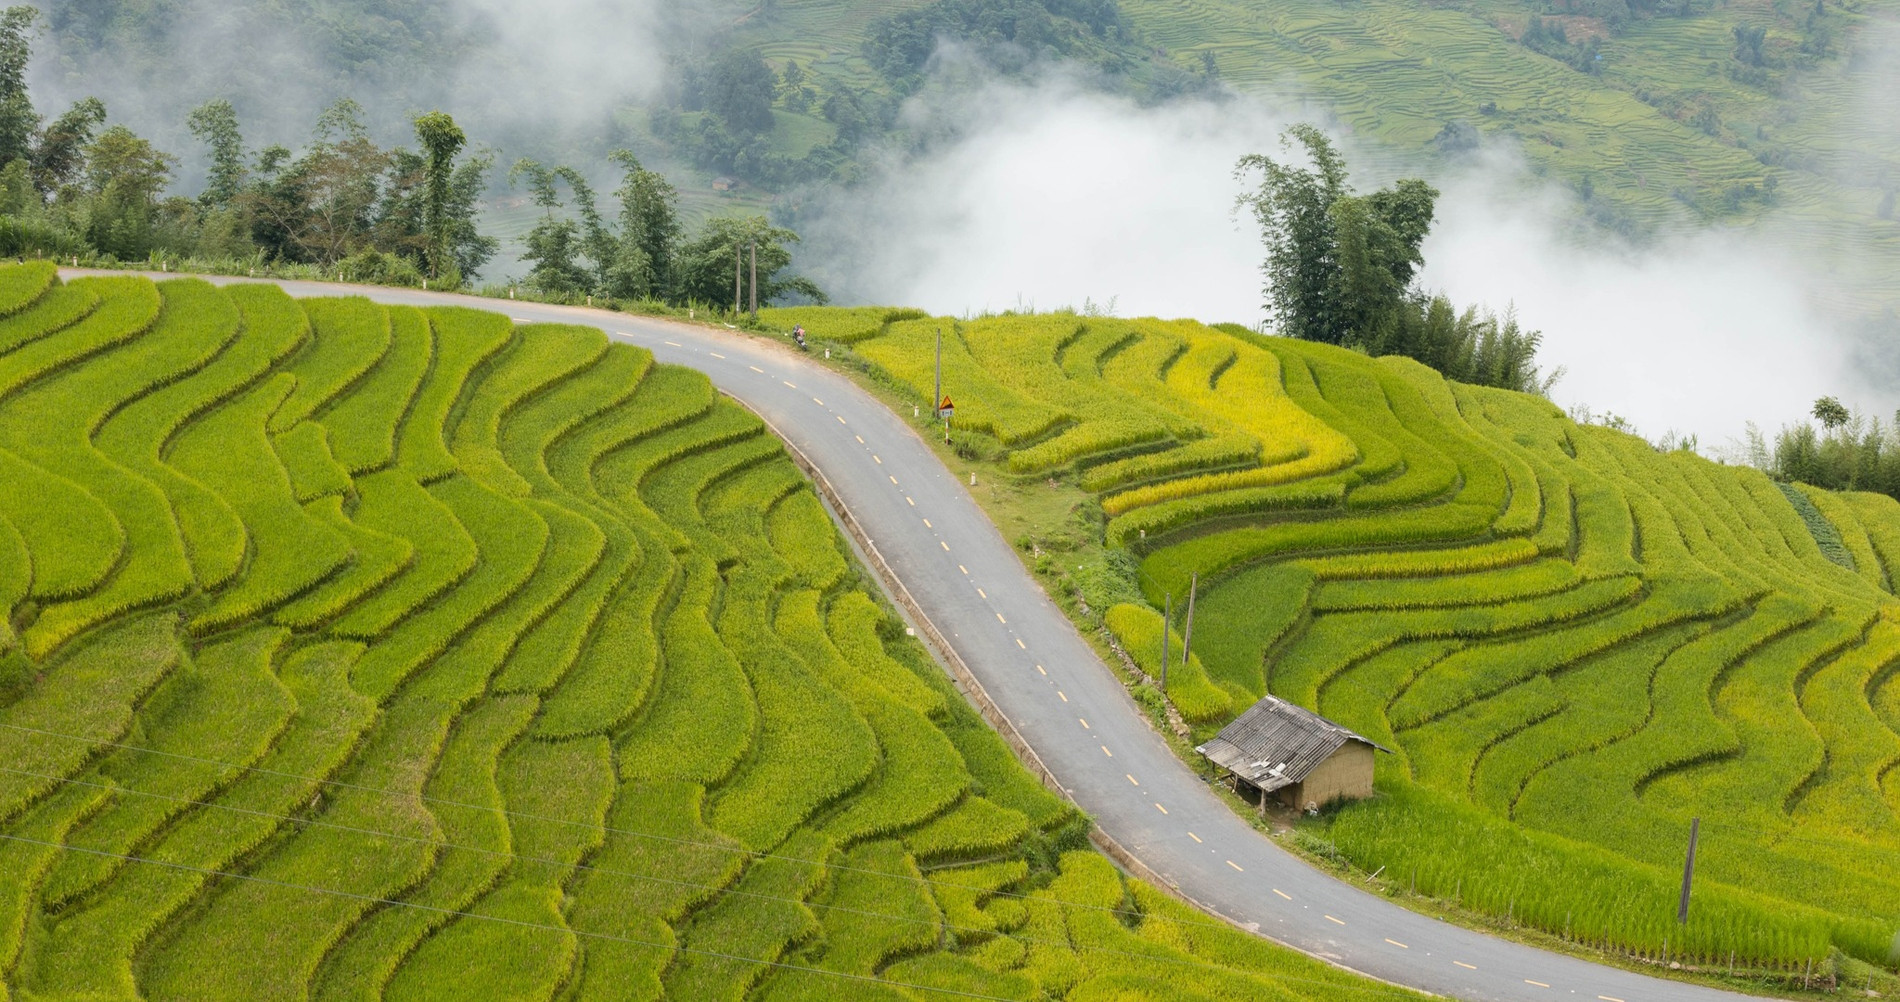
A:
[1398,944]
[1132,779]
[676,344]
[1160,808]
[860,439]
[893,480]
[1283,894]
[1000,619]
[980,592]
[943,544]
[756,369]
[1040,668]
[1468,967]
[878,459]
[913,502]
[715,354]
[927,524]
[817,401]
[1334,921]
[1193,836]
[1236,866]
[1609,998]
[789,383]
[964,569]
[1539,984]
[840,419]
[1085,723]
[1065,698]
[1105,751]
[1019,640]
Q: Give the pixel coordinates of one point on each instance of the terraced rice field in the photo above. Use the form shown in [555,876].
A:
[356,652]
[1573,643]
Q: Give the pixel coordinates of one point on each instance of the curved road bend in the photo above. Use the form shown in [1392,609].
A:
[1070,707]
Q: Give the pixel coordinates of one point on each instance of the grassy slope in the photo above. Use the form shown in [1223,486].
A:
[1574,643]
[434,657]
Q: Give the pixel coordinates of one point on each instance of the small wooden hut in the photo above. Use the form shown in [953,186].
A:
[1294,755]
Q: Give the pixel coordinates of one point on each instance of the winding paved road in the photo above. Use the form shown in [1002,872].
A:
[1070,707]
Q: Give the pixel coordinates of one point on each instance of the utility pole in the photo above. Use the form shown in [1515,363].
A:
[1167,614]
[936,394]
[1187,634]
[737,263]
[755,280]
[1688,872]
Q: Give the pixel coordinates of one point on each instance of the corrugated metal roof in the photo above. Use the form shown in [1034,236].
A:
[1276,744]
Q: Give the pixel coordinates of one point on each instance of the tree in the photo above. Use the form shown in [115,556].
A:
[1292,205]
[649,232]
[124,175]
[322,206]
[706,261]
[741,91]
[1831,413]
[1343,268]
[441,140]
[18,121]
[554,244]
[215,124]
[60,152]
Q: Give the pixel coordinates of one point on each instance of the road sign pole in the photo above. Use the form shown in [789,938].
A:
[1688,871]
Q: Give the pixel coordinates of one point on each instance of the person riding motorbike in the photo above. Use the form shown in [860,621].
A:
[798,334]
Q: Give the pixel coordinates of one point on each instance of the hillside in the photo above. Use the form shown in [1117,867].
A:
[1572,643]
[359,652]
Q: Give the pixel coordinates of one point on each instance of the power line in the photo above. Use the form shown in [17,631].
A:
[455,913]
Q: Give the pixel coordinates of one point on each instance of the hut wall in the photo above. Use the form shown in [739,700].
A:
[1347,774]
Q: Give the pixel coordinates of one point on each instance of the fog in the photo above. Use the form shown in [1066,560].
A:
[516,73]
[1057,197]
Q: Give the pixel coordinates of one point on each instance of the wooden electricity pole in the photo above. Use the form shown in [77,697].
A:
[1187,632]
[1167,613]
[755,280]
[1688,872]
[738,263]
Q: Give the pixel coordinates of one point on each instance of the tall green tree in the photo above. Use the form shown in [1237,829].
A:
[649,232]
[441,140]
[18,120]
[215,124]
[1293,206]
[1343,268]
[554,245]
[59,154]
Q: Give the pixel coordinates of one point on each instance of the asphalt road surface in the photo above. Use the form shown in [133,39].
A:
[1070,707]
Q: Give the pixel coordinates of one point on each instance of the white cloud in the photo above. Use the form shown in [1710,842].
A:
[1053,195]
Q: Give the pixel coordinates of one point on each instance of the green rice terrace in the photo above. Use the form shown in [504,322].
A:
[1573,643]
[413,654]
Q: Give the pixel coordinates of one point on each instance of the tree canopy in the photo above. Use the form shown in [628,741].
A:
[1343,268]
